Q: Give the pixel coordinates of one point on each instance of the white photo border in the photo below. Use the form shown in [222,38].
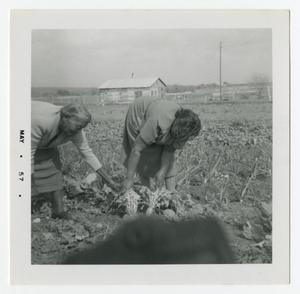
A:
[21,269]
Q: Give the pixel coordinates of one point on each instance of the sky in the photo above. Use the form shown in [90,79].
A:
[88,58]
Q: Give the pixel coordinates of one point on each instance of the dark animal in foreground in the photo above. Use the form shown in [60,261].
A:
[151,240]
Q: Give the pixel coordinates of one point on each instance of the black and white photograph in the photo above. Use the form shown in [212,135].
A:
[152,146]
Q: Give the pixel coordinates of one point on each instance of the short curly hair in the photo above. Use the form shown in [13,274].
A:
[78,112]
[187,124]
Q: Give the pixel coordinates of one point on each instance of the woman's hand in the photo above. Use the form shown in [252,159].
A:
[133,161]
[127,185]
[107,179]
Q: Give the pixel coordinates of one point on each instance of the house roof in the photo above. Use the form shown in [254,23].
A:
[130,83]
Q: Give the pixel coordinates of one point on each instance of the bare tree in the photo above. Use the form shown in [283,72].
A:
[258,78]
[261,83]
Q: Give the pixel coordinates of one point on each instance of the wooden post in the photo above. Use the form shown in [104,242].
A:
[220,71]
[269,93]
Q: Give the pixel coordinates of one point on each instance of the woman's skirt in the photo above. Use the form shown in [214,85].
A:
[47,175]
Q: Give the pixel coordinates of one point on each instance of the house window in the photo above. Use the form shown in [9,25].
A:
[138,94]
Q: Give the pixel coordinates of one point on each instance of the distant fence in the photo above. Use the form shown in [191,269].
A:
[236,95]
[63,100]
[228,94]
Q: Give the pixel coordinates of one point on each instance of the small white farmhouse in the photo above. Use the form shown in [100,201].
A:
[124,90]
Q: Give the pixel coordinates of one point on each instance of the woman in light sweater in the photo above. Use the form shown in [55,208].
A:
[51,126]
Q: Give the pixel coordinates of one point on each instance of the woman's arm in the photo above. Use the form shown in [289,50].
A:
[133,161]
[167,160]
[80,141]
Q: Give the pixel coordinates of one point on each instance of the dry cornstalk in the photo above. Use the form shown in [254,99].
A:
[213,170]
[259,244]
[189,173]
[249,180]
[223,189]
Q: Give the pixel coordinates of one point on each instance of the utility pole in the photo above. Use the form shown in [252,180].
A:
[220,71]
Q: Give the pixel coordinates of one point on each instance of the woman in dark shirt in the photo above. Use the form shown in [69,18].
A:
[154,129]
